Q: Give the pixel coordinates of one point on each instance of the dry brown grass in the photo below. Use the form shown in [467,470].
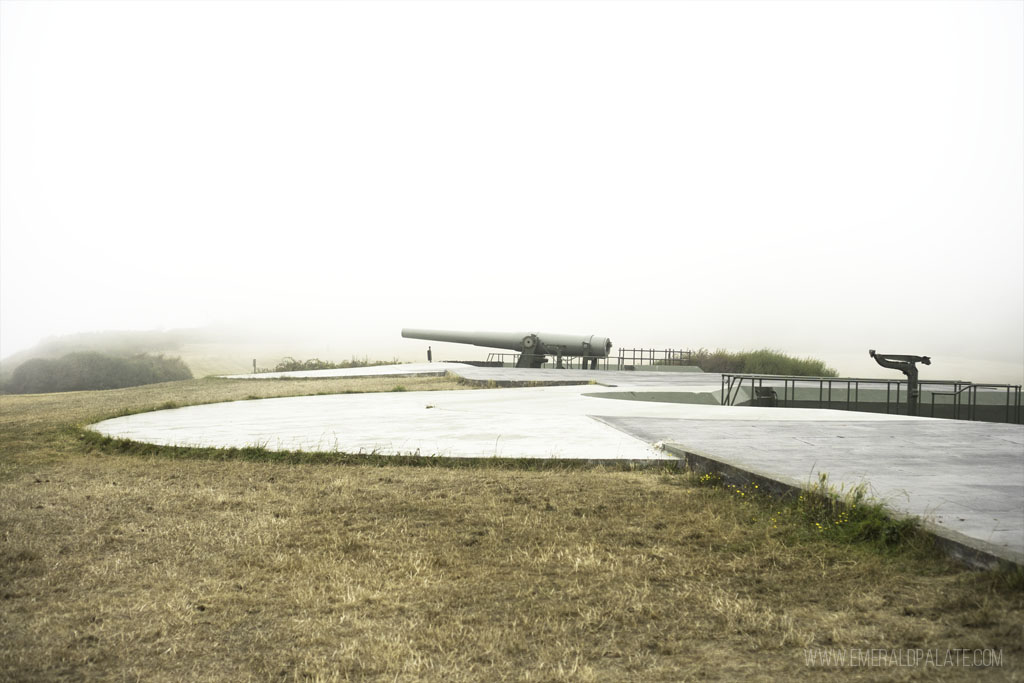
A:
[120,567]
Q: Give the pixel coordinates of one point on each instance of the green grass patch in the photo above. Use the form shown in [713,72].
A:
[839,514]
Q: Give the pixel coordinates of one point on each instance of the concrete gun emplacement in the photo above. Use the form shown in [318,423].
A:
[533,347]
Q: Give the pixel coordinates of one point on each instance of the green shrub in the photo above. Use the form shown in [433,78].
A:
[289,364]
[760,362]
[86,370]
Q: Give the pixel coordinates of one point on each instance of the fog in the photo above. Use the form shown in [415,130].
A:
[818,178]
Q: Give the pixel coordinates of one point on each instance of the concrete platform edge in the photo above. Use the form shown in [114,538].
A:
[292,378]
[970,552]
[513,384]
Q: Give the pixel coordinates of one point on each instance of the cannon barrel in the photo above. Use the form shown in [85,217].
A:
[525,342]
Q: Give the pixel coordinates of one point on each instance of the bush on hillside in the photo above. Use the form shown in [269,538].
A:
[85,370]
[760,362]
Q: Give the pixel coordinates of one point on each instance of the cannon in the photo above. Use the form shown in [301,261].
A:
[533,347]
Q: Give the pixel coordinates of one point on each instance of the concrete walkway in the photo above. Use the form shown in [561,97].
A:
[965,479]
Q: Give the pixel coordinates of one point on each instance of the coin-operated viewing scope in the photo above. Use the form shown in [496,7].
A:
[908,366]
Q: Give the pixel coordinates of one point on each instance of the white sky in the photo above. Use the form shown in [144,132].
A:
[821,178]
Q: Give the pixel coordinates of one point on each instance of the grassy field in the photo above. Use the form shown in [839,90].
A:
[119,566]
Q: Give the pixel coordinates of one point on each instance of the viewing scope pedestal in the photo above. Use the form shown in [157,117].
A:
[908,366]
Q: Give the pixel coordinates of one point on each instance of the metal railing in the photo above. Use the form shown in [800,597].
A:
[627,358]
[970,407]
[636,357]
[844,393]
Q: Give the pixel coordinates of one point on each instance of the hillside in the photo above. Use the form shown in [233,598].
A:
[206,351]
